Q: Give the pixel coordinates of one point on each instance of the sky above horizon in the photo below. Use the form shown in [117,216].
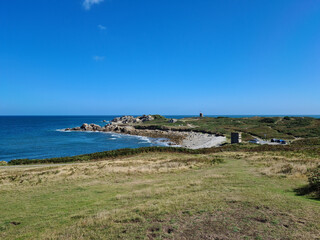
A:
[167,57]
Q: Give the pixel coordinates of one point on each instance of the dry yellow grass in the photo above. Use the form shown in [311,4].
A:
[158,196]
[285,164]
[143,163]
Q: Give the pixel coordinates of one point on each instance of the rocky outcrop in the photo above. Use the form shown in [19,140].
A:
[86,127]
[119,129]
[90,127]
[131,119]
[125,125]
[119,124]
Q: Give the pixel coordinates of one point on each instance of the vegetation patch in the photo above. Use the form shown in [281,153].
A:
[272,127]
[314,180]
[159,117]
[267,120]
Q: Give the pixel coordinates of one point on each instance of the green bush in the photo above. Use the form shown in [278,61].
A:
[308,142]
[300,122]
[3,163]
[158,117]
[103,155]
[267,120]
[286,118]
[314,179]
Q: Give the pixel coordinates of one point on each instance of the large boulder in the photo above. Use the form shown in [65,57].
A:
[123,120]
[127,129]
[137,120]
[131,119]
[85,126]
[145,118]
[95,127]
[90,127]
[116,119]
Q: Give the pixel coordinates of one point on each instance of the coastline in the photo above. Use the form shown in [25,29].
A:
[191,140]
[185,139]
[176,138]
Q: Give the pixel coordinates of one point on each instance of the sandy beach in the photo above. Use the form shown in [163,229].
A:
[195,140]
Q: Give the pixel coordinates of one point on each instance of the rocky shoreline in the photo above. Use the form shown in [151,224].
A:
[126,125]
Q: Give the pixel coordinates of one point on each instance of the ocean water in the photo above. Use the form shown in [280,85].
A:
[37,137]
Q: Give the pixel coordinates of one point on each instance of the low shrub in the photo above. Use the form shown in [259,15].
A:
[267,120]
[307,142]
[299,122]
[314,179]
[3,163]
[103,155]
[158,117]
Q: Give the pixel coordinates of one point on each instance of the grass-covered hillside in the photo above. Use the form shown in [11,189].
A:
[239,191]
[271,127]
[264,192]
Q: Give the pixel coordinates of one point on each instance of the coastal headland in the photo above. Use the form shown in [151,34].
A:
[179,137]
[206,132]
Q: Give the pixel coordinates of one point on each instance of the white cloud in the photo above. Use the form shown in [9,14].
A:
[101,27]
[98,58]
[88,3]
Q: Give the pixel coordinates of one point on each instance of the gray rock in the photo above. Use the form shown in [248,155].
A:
[95,127]
[84,126]
[116,120]
[145,118]
[127,129]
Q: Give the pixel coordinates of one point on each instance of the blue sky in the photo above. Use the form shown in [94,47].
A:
[167,57]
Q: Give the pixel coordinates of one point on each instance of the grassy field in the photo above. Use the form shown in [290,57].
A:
[154,195]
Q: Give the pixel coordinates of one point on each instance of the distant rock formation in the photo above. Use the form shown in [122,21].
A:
[119,124]
[131,119]
[125,125]
[86,127]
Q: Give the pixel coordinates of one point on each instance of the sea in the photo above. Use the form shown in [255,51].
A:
[38,137]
